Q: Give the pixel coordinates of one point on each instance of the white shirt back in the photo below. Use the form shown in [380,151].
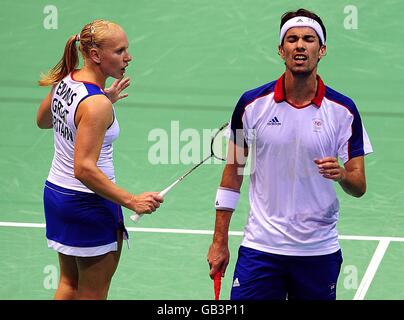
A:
[66,97]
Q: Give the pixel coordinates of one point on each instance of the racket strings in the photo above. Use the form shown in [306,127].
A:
[219,143]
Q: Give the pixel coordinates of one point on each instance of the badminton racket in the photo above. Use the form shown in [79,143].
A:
[217,284]
[218,150]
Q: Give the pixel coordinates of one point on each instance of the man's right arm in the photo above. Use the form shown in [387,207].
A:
[232,178]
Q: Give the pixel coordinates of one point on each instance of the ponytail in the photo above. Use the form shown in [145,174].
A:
[93,35]
[67,64]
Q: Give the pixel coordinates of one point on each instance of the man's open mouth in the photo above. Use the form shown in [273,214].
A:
[300,57]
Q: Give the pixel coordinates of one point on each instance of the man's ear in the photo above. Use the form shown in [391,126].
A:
[95,55]
[322,52]
[281,52]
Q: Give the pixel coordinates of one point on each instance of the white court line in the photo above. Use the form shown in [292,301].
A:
[371,270]
[22,224]
[195,231]
[360,293]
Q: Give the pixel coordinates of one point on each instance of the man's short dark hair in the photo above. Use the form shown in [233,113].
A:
[303,13]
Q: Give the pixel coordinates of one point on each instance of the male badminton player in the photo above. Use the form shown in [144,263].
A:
[300,128]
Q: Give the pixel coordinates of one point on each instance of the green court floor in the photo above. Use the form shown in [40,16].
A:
[192,61]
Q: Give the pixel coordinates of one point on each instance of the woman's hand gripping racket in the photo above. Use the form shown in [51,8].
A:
[218,149]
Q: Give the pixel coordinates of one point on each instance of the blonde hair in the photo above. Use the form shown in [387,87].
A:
[93,34]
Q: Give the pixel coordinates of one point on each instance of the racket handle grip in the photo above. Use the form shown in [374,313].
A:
[136,216]
[217,283]
[168,189]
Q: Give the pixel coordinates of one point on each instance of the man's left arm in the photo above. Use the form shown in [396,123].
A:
[351,177]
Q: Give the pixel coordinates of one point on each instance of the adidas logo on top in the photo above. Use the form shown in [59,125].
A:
[236,283]
[274,122]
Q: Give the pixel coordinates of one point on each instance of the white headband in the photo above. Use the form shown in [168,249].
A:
[302,22]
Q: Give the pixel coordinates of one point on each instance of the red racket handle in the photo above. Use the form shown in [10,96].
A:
[217,283]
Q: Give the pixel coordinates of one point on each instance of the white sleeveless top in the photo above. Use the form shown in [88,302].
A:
[66,97]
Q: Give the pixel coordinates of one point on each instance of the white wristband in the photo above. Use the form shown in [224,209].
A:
[226,199]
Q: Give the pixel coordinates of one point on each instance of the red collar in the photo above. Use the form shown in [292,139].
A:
[279,94]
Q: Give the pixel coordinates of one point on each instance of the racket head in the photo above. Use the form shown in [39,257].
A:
[220,142]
